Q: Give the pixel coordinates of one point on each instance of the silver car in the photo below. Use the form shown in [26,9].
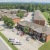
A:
[11,39]
[16,42]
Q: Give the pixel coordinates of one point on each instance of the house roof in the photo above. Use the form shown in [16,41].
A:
[38,15]
[36,27]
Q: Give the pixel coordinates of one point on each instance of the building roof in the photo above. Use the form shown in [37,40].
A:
[29,24]
[36,27]
[41,29]
[47,32]
[9,14]
[23,23]
[38,15]
[12,16]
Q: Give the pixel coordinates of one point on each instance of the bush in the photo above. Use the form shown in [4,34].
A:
[26,29]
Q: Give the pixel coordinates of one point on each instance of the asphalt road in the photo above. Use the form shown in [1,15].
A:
[3,46]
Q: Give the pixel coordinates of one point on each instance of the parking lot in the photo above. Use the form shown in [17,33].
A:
[26,45]
[3,45]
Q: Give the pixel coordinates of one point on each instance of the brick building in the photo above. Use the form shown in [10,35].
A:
[38,18]
[39,32]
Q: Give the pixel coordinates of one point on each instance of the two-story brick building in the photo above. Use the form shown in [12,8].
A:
[38,32]
[37,27]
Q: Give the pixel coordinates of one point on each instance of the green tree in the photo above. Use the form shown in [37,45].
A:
[8,21]
[20,14]
[26,29]
[49,20]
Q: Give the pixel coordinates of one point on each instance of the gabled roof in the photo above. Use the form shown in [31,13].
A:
[41,29]
[36,27]
[29,24]
[38,15]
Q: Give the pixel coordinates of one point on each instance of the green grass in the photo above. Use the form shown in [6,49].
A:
[46,15]
[46,46]
[6,40]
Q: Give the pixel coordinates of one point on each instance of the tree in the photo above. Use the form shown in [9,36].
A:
[26,29]
[8,21]
[25,6]
[49,20]
[20,14]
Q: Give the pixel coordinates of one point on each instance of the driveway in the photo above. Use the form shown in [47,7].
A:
[26,45]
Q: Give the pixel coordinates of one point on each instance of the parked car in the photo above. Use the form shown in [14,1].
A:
[11,39]
[16,42]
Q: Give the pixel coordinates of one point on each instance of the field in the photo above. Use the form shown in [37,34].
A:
[46,15]
[46,46]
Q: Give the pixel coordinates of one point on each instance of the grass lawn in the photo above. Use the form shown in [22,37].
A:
[46,46]
[46,15]
[12,46]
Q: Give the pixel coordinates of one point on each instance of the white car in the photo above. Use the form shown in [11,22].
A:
[16,42]
[11,39]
